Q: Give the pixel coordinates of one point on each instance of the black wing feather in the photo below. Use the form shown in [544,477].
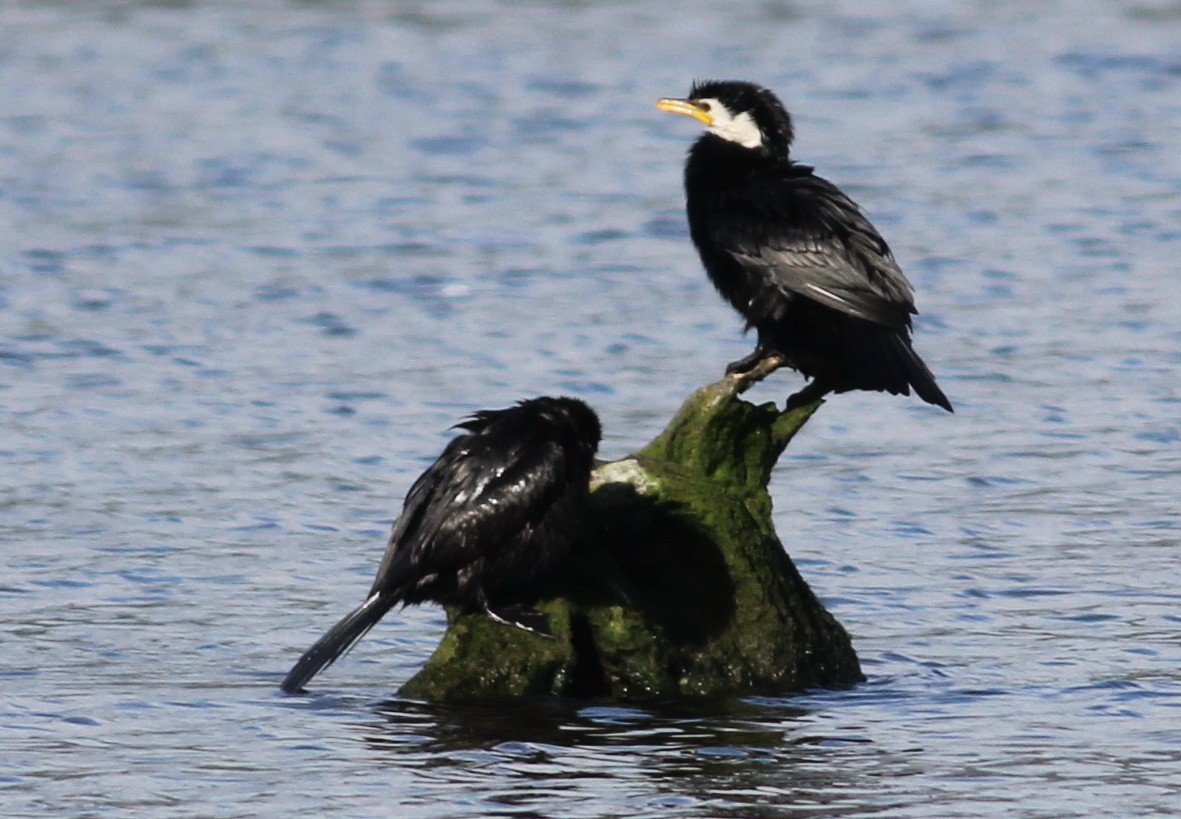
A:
[482,494]
[802,234]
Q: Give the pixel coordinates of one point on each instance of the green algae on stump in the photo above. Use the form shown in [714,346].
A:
[679,585]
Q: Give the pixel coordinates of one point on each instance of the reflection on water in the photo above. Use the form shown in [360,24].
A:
[535,756]
[257,259]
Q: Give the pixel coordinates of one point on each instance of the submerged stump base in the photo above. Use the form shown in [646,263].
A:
[679,586]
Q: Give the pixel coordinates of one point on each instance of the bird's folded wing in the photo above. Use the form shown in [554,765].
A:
[475,497]
[805,236]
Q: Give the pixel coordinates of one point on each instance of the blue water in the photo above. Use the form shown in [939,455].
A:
[256,258]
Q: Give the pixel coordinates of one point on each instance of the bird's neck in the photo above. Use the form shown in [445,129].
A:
[715,162]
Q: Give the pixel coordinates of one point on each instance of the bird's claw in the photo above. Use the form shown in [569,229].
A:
[747,376]
[747,362]
[522,617]
[812,392]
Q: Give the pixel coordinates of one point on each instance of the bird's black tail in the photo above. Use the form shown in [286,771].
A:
[918,375]
[339,639]
[882,358]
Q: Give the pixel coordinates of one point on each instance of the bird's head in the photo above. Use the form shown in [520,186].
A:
[739,112]
[571,419]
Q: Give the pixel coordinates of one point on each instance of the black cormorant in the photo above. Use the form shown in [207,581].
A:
[793,254]
[494,510]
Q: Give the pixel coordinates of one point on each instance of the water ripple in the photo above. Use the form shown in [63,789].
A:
[239,313]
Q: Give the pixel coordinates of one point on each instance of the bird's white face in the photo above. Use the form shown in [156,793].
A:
[738,128]
[718,119]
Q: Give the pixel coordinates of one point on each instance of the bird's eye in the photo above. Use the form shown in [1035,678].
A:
[706,105]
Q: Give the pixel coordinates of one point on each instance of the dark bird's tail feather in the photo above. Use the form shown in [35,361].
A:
[917,373]
[880,358]
[339,639]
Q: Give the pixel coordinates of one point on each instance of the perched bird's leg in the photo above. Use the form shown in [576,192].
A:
[517,615]
[747,362]
[522,617]
[813,392]
[767,364]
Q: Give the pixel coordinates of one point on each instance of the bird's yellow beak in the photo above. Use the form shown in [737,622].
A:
[687,108]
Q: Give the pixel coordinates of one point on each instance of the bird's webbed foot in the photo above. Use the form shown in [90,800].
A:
[747,362]
[812,392]
[522,617]
[765,364]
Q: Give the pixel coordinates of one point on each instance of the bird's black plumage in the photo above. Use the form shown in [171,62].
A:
[792,253]
[492,512]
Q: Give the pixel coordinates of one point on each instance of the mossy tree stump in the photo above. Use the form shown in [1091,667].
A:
[679,585]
